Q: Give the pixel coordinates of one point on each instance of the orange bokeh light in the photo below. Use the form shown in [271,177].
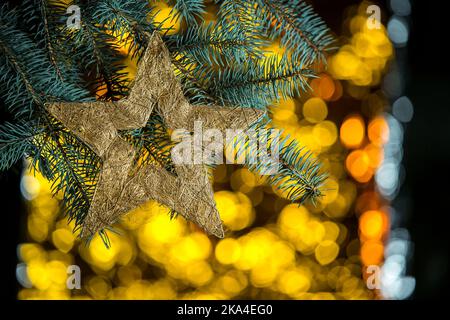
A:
[365,177]
[373,224]
[378,131]
[323,87]
[376,155]
[358,164]
[372,252]
[352,132]
[338,92]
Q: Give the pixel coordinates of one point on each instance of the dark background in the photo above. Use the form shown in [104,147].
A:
[427,148]
[426,159]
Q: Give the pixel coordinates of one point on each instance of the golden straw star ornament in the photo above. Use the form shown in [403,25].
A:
[121,187]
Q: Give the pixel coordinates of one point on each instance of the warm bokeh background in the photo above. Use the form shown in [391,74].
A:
[353,119]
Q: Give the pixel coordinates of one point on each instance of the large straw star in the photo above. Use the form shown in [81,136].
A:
[121,187]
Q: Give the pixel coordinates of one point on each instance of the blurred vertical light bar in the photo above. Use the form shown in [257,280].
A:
[395,284]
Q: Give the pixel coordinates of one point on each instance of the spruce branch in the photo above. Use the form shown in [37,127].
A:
[259,83]
[296,173]
[193,80]
[212,44]
[32,81]
[27,73]
[97,51]
[301,30]
[16,139]
[45,20]
[240,17]
[127,20]
[188,10]
[73,169]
